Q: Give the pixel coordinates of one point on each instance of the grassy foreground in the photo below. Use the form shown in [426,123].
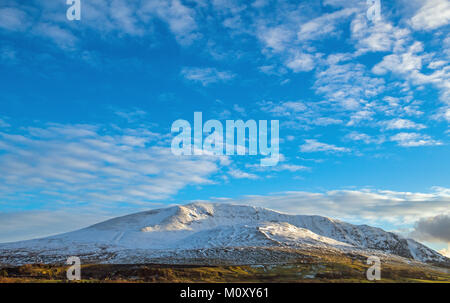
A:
[336,269]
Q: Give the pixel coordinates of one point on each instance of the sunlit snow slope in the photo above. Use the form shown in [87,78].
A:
[201,226]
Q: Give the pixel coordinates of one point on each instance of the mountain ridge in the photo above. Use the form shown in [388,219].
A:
[187,231]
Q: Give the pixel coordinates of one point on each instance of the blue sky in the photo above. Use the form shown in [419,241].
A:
[87,106]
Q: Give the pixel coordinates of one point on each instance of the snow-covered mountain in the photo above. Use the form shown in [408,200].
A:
[211,230]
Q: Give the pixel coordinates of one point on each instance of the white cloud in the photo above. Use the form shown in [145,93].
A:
[323,26]
[132,115]
[312,145]
[301,62]
[260,3]
[401,63]
[377,37]
[301,115]
[439,78]
[228,7]
[106,18]
[239,174]
[13,19]
[402,124]
[207,75]
[347,85]
[122,14]
[60,36]
[275,38]
[356,136]
[290,138]
[289,33]
[443,113]
[88,164]
[359,137]
[414,139]
[437,64]
[272,69]
[179,17]
[239,109]
[284,108]
[325,121]
[433,14]
[408,65]
[359,116]
[400,106]
[290,167]
[279,167]
[346,3]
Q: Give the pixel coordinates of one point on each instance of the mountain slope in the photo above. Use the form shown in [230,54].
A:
[202,229]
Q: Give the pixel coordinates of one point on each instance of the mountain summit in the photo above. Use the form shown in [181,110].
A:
[206,232]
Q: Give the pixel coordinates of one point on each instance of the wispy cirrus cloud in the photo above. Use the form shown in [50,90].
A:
[94,164]
[106,19]
[207,75]
[3,123]
[179,17]
[299,114]
[408,64]
[325,25]
[58,35]
[347,84]
[13,19]
[284,108]
[239,174]
[312,145]
[362,137]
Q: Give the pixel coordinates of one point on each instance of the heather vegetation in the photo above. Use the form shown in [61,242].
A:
[318,269]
